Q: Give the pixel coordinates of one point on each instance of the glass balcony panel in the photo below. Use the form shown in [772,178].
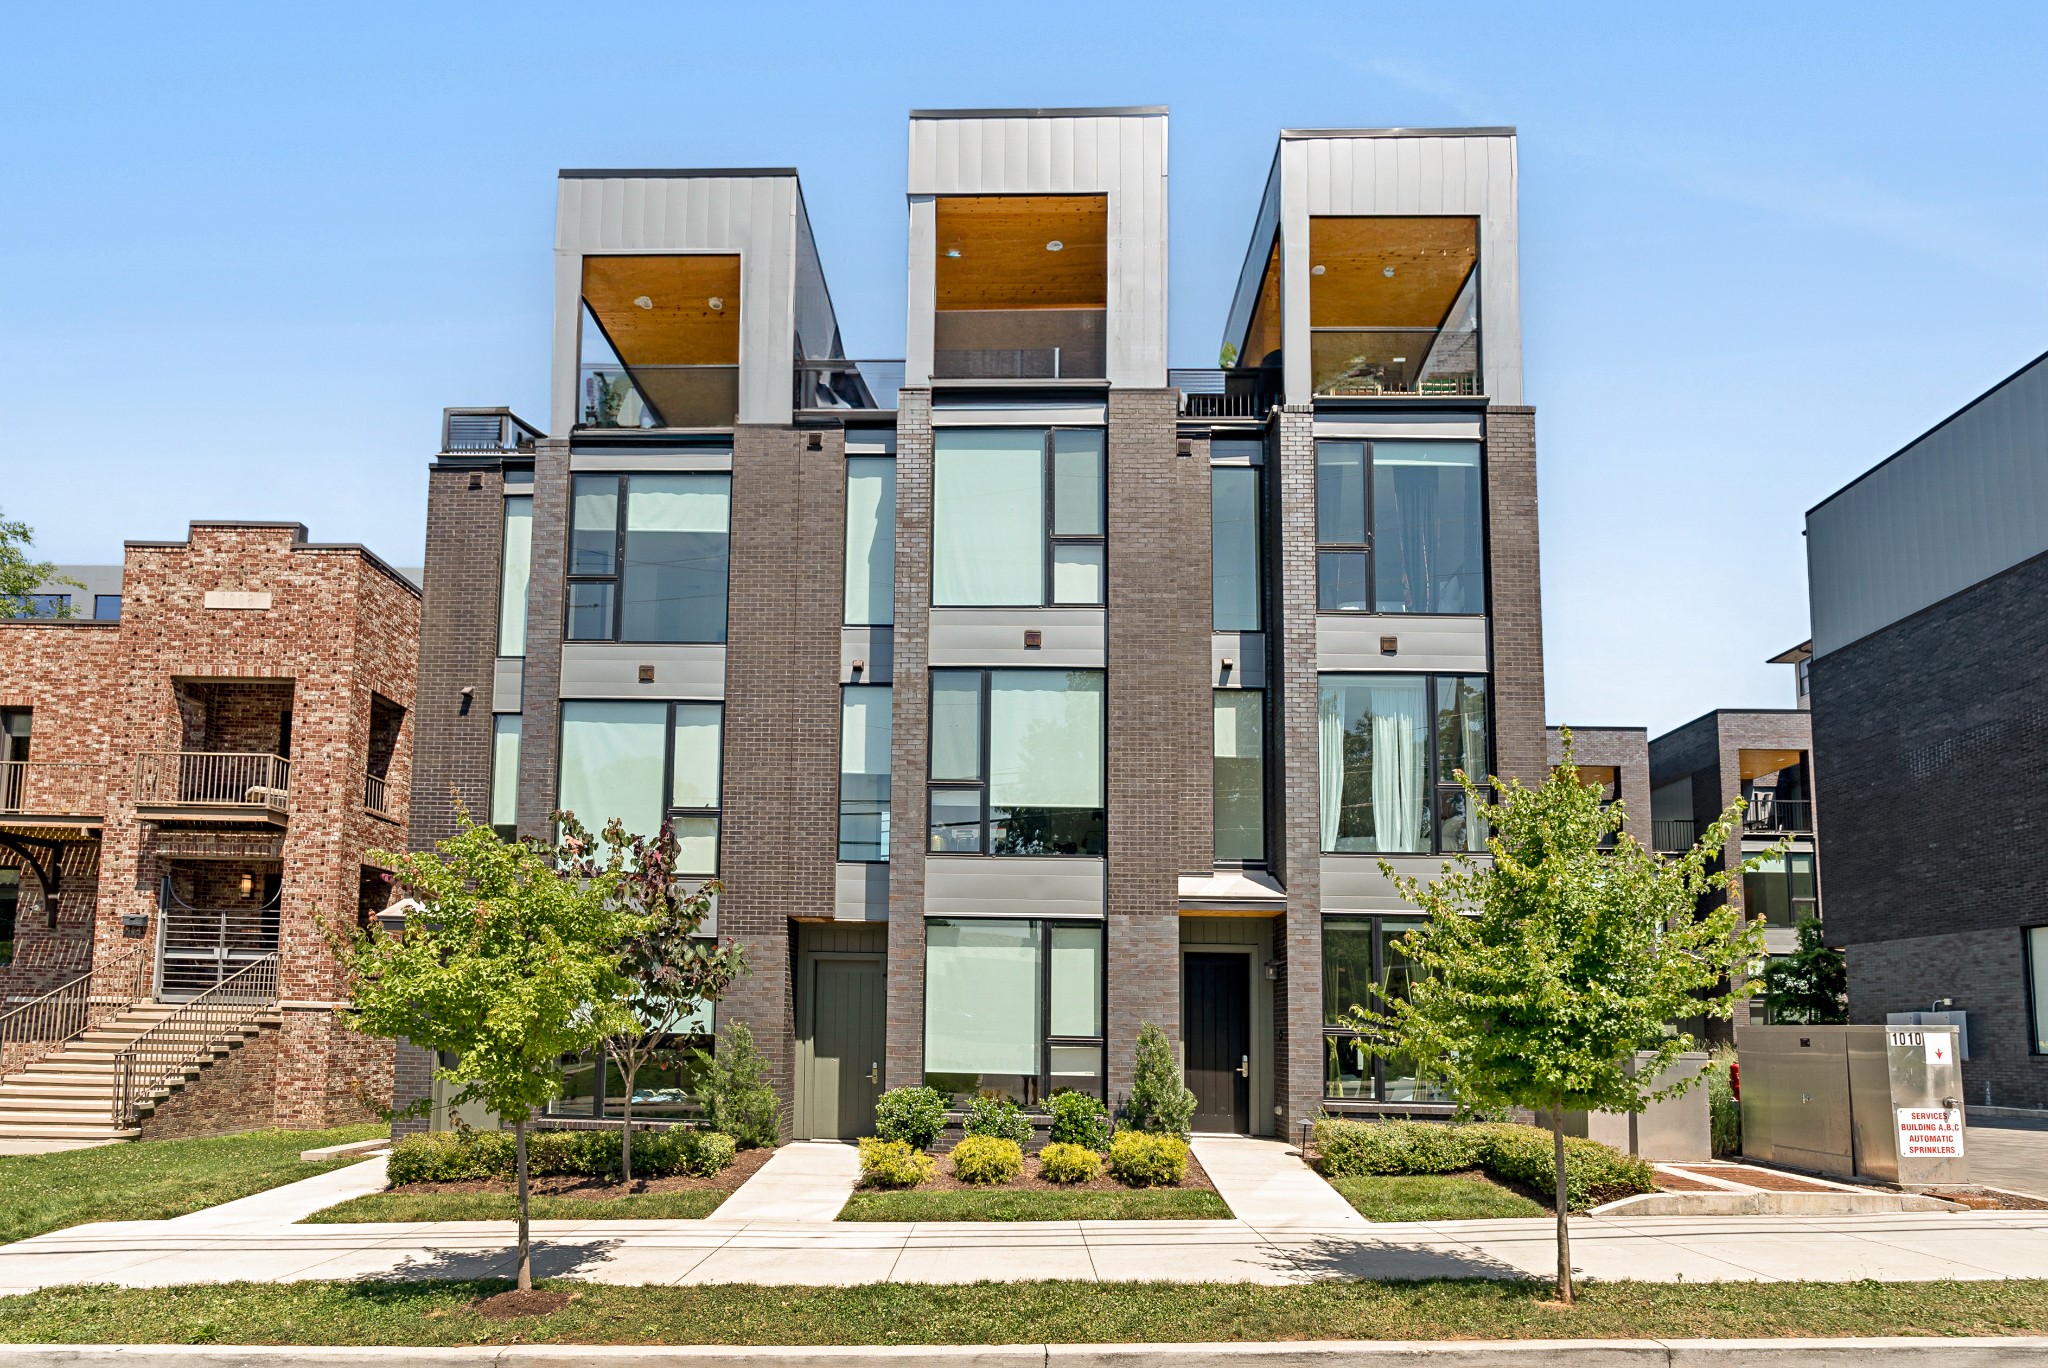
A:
[1400,361]
[848,384]
[1019,344]
[614,396]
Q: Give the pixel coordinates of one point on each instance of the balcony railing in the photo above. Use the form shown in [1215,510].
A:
[1247,392]
[1769,813]
[113,984]
[1019,344]
[1347,362]
[848,384]
[491,429]
[658,396]
[52,789]
[166,1050]
[213,780]
[376,796]
[1673,834]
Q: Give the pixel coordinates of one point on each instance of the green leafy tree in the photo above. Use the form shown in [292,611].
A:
[672,971]
[732,1082]
[1542,972]
[1160,1102]
[20,576]
[508,964]
[1810,986]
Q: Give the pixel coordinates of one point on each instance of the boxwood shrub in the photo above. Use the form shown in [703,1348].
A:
[998,1117]
[893,1164]
[1061,1162]
[987,1159]
[1594,1173]
[1138,1159]
[466,1155]
[1078,1119]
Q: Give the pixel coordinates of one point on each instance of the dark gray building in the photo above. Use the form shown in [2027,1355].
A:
[1021,691]
[1930,664]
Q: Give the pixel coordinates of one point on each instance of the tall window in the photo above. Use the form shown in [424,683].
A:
[870,541]
[1398,528]
[1016,762]
[864,734]
[1782,889]
[515,571]
[1363,967]
[505,773]
[1240,776]
[641,762]
[1013,1008]
[1018,517]
[1235,591]
[648,555]
[1390,748]
[2037,984]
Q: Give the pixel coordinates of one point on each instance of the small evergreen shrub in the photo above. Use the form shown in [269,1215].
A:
[467,1155]
[735,1097]
[1724,1112]
[987,1159]
[913,1115]
[893,1164]
[445,1157]
[1078,1119]
[1159,1103]
[1061,1162]
[1594,1173]
[1351,1149]
[1139,1159]
[1003,1119]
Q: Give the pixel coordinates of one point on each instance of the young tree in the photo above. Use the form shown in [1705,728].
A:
[670,971]
[20,576]
[1541,973]
[509,964]
[1160,1102]
[1810,986]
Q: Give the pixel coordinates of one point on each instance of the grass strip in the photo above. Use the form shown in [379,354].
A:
[153,1180]
[1432,1199]
[1038,1204]
[437,1313]
[504,1206]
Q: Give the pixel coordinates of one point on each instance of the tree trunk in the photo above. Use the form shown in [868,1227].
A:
[525,1228]
[1564,1234]
[632,1067]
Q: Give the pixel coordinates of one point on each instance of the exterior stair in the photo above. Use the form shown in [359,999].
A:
[69,1095]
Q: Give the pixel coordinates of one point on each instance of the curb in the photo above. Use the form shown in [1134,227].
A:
[1748,1353]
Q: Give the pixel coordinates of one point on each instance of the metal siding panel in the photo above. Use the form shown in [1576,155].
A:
[1297,159]
[1060,154]
[1038,150]
[1018,164]
[1408,171]
[967,143]
[1502,287]
[633,214]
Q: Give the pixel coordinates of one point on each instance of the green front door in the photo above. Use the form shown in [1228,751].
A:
[843,1076]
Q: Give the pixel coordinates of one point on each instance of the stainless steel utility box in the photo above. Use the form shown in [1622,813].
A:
[1881,1102]
[1675,1130]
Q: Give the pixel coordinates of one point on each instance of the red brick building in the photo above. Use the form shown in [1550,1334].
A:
[189,797]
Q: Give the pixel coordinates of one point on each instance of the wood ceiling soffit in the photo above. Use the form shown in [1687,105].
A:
[677,325]
[1431,257]
[1003,262]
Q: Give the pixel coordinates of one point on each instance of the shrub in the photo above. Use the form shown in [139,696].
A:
[1139,1159]
[448,1157]
[913,1115]
[1352,1149]
[1594,1173]
[1078,1119]
[1004,1120]
[893,1164]
[987,1159]
[1061,1162]
[1160,1103]
[466,1155]
[730,1087]
[1724,1112]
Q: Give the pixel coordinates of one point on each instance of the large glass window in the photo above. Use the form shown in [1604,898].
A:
[1363,967]
[648,556]
[870,541]
[1235,591]
[2037,984]
[505,773]
[1016,762]
[1390,748]
[1398,528]
[515,570]
[1013,1008]
[1018,517]
[641,762]
[1782,889]
[864,735]
[1240,776]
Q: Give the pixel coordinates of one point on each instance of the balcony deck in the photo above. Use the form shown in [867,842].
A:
[36,793]
[213,786]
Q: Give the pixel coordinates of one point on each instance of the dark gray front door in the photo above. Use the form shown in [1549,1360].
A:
[845,1069]
[1216,1030]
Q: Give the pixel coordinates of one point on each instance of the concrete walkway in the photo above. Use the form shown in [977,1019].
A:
[2010,1153]
[1266,1184]
[283,1206]
[805,1181]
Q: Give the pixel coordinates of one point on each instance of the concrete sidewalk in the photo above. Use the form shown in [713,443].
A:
[808,1180]
[1265,1183]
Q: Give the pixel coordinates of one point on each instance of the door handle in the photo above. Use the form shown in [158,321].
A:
[1244,1066]
[874,1073]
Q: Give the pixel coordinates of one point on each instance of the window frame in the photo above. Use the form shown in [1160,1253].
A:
[669,811]
[887,532]
[1369,548]
[616,578]
[1378,922]
[1434,786]
[1265,858]
[2034,964]
[1047,1038]
[1257,470]
[1048,539]
[504,529]
[889,812]
[934,785]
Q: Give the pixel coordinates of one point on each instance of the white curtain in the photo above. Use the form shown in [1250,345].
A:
[988,518]
[517,571]
[981,1007]
[1398,759]
[696,780]
[1045,738]
[504,769]
[1330,744]
[611,764]
[679,503]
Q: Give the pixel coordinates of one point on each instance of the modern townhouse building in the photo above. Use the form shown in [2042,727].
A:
[190,792]
[1929,661]
[1618,760]
[1022,691]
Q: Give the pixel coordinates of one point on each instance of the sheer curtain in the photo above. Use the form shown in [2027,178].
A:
[1330,744]
[1398,761]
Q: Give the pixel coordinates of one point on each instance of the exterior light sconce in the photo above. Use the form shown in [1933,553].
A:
[1033,638]
[646,674]
[814,442]
[1273,969]
[1389,645]
[468,697]
[1186,448]
[1229,664]
[857,667]
[248,883]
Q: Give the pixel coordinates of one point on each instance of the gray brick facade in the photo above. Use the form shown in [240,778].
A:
[540,697]
[458,646]
[1515,594]
[910,729]
[1627,749]
[1298,947]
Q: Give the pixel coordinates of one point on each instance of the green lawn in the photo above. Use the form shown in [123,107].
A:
[349,1313]
[1037,1204]
[151,1180]
[504,1206]
[1432,1199]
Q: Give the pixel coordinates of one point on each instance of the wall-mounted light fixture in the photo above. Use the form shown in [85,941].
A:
[857,667]
[248,883]
[1033,638]
[1389,645]
[646,674]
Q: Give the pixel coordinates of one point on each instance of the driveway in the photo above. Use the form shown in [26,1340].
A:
[2009,1152]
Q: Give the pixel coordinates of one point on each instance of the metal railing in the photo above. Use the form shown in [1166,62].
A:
[485,429]
[1248,392]
[1673,834]
[1393,361]
[163,1052]
[1768,812]
[212,779]
[69,1011]
[374,794]
[658,396]
[53,787]
[201,947]
[848,384]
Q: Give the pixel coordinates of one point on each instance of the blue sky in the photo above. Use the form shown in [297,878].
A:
[248,253]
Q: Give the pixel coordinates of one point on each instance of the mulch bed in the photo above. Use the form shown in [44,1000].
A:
[515,1305]
[944,1181]
[1984,1199]
[1769,1180]
[1671,1182]
[598,1189]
